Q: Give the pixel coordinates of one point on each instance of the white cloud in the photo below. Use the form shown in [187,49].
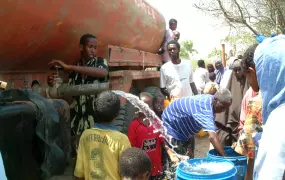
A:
[192,24]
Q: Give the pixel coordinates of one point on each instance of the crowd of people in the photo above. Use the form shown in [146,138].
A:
[92,117]
[231,103]
[240,106]
[100,142]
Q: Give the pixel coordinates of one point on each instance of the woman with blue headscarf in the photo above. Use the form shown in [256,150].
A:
[269,60]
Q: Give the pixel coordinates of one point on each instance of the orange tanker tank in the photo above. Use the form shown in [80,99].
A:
[34,32]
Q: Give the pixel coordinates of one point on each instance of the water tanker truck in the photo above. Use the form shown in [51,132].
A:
[129,33]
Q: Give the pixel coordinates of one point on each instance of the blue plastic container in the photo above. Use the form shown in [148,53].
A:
[229,174]
[2,170]
[239,161]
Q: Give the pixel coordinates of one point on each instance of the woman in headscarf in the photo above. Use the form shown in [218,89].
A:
[269,59]
[227,123]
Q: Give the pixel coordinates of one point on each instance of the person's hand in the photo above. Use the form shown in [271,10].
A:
[161,51]
[234,145]
[59,63]
[174,158]
[170,97]
[190,154]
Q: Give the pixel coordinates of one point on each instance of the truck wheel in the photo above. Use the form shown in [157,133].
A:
[126,114]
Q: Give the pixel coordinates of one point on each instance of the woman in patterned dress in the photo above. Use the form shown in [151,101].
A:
[253,121]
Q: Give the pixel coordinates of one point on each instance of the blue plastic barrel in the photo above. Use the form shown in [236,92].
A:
[2,170]
[239,161]
[226,173]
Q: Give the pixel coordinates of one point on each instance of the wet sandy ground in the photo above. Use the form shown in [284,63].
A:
[202,147]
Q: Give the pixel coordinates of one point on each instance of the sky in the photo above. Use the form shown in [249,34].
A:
[205,31]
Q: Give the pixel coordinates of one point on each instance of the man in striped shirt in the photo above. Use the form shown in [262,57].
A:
[186,116]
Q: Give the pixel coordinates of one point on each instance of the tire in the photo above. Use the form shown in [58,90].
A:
[126,114]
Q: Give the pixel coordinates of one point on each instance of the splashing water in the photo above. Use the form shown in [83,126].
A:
[206,168]
[199,168]
[154,120]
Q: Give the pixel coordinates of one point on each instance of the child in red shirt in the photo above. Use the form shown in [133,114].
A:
[142,136]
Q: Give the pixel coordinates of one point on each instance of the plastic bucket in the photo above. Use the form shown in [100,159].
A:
[2,169]
[224,174]
[201,133]
[239,161]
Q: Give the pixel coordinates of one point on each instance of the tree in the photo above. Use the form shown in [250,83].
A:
[240,42]
[237,43]
[215,53]
[187,49]
[259,16]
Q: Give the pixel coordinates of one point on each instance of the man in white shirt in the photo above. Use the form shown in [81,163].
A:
[201,76]
[169,36]
[176,76]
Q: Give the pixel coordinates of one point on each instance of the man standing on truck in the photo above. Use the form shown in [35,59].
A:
[88,69]
[176,80]
[169,36]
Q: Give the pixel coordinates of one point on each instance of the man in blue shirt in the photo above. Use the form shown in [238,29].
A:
[185,117]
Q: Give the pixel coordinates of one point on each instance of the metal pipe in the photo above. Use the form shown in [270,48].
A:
[223,55]
[65,90]
[277,21]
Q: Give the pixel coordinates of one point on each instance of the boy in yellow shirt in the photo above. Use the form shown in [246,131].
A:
[100,147]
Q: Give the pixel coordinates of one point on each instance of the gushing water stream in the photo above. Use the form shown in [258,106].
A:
[157,123]
[154,120]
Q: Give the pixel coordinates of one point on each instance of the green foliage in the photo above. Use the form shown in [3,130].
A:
[241,38]
[257,16]
[215,52]
[187,50]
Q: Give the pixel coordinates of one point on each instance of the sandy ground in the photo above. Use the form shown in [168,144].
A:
[202,147]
